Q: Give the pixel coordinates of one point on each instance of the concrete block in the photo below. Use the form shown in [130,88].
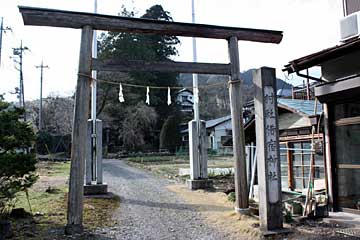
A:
[99,153]
[193,151]
[212,171]
[88,160]
[95,189]
[199,184]
[198,150]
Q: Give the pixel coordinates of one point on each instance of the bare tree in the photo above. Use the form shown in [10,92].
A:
[58,115]
[137,126]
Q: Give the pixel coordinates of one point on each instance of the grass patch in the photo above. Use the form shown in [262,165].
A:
[53,168]
[158,159]
[168,166]
[49,205]
[42,201]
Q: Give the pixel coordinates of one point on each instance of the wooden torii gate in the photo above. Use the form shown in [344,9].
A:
[88,22]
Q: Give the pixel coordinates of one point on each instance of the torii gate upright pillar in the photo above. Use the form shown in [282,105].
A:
[79,133]
[236,105]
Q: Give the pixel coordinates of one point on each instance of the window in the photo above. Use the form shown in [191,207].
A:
[351,6]
[297,157]
[301,164]
[347,110]
[284,166]
[228,132]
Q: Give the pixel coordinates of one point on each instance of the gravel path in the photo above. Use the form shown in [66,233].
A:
[149,211]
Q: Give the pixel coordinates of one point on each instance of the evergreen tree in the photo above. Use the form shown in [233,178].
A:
[170,137]
[131,46]
[16,161]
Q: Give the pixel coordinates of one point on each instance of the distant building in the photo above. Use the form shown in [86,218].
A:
[284,93]
[185,99]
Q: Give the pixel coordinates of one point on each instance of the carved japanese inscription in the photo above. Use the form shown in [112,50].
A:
[271,155]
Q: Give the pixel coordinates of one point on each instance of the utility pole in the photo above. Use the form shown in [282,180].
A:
[197,135]
[2,29]
[307,85]
[93,161]
[41,87]
[19,52]
[195,76]
[93,103]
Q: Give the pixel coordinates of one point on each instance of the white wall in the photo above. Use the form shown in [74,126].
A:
[220,130]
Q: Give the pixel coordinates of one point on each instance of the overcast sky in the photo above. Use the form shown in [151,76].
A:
[308,25]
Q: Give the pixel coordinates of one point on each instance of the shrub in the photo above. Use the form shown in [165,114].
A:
[16,160]
[231,197]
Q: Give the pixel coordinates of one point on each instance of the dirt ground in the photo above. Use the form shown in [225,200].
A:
[223,216]
[143,204]
[219,212]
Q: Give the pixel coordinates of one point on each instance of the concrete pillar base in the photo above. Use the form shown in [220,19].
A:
[243,211]
[72,229]
[281,231]
[96,189]
[199,184]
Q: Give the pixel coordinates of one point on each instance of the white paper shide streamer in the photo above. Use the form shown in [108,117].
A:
[169,97]
[147,96]
[121,95]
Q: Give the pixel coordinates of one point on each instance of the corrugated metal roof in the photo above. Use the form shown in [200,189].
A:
[214,122]
[303,106]
[184,90]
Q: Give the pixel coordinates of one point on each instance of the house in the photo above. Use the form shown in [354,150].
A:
[219,131]
[339,92]
[296,120]
[185,99]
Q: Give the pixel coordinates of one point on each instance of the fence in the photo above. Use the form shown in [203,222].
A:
[295,166]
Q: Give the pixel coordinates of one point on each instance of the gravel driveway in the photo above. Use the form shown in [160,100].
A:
[149,211]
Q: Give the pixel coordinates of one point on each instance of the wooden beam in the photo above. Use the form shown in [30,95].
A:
[236,107]
[68,19]
[79,134]
[290,167]
[146,66]
[328,139]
